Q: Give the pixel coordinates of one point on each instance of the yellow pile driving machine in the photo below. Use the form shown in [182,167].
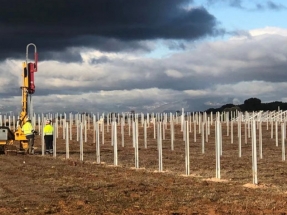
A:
[8,137]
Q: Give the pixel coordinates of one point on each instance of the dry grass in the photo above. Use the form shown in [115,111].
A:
[45,185]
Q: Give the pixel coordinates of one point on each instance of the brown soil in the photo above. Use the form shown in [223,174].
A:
[35,184]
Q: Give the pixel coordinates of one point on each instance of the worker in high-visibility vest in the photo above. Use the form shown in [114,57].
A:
[48,136]
[28,130]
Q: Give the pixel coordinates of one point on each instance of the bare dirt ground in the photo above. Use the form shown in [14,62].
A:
[35,184]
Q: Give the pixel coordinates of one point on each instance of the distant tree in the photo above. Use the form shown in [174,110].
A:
[211,110]
[252,104]
[252,101]
[227,106]
[223,107]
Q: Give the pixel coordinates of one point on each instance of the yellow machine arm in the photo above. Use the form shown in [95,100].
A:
[7,137]
[28,88]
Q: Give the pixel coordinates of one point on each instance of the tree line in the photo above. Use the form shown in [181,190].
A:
[251,104]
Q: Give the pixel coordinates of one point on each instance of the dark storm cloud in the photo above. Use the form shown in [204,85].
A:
[106,25]
[65,56]
[99,60]
[160,81]
[236,3]
[232,3]
[273,6]
[270,5]
[109,44]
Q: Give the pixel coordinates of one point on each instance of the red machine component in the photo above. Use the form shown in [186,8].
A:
[32,67]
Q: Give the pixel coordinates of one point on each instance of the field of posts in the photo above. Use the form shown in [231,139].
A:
[192,163]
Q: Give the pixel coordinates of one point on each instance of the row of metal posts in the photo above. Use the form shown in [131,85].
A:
[218,146]
[196,118]
[159,143]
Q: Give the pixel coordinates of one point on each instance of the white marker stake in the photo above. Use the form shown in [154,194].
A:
[231,132]
[254,154]
[114,133]
[182,119]
[67,141]
[77,123]
[42,138]
[172,134]
[123,132]
[227,125]
[187,160]
[154,135]
[272,129]
[239,137]
[163,130]
[85,125]
[55,141]
[63,128]
[283,141]
[245,132]
[276,132]
[81,143]
[207,129]
[56,125]
[136,145]
[71,125]
[217,148]
[134,135]
[202,137]
[159,148]
[194,127]
[260,140]
[98,143]
[220,138]
[103,131]
[145,134]
[94,129]
[89,121]
[108,122]
[9,122]
[248,128]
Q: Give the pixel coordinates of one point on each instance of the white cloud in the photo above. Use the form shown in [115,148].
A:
[213,104]
[197,93]
[252,88]
[268,30]
[211,73]
[236,101]
[173,73]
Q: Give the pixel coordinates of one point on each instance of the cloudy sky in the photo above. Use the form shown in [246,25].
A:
[144,55]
